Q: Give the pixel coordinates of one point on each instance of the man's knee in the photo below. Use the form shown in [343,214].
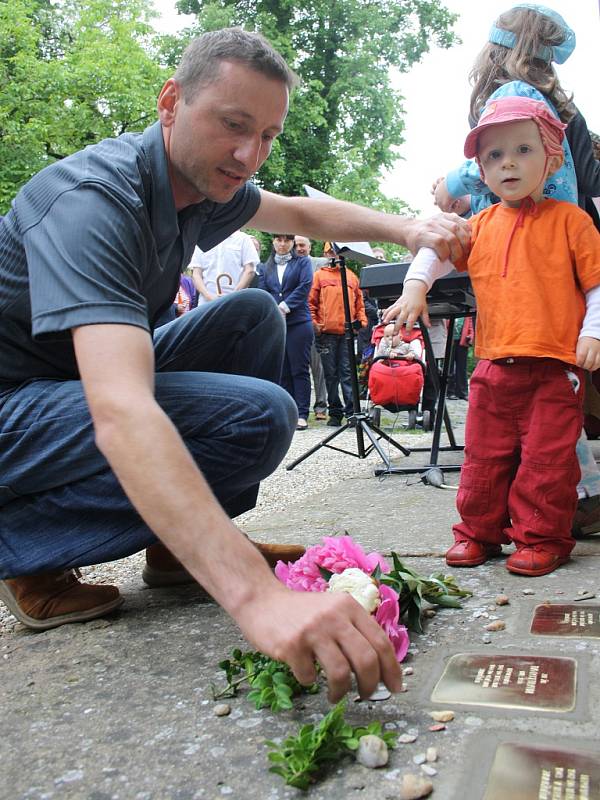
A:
[253,303]
[281,411]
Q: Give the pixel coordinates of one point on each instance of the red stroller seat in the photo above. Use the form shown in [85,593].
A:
[396,383]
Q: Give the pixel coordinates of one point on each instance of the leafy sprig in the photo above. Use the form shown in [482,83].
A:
[272,682]
[301,758]
[412,589]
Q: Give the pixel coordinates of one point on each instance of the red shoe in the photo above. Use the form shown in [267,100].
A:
[471,553]
[533,561]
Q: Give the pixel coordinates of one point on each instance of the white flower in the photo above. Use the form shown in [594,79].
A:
[357,583]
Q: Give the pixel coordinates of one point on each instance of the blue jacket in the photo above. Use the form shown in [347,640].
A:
[297,280]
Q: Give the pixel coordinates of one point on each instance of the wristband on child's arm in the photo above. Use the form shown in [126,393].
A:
[427,267]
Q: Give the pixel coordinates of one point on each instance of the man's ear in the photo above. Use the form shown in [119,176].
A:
[554,164]
[169,96]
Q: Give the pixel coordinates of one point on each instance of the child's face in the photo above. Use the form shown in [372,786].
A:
[388,331]
[513,161]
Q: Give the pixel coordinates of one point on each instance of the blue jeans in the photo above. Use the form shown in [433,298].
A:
[336,366]
[216,373]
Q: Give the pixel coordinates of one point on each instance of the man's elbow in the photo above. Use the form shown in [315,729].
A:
[115,416]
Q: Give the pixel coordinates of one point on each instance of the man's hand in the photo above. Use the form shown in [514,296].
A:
[448,234]
[588,353]
[409,307]
[330,628]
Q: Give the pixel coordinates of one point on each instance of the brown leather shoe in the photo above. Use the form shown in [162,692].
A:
[587,517]
[471,554]
[163,569]
[55,598]
[279,552]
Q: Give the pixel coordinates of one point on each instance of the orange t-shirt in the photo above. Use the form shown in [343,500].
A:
[536,308]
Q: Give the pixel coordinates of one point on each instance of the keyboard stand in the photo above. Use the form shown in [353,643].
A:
[440,382]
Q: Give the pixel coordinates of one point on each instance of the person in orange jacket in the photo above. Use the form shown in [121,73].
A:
[326,305]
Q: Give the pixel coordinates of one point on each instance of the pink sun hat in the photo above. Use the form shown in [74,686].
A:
[515,109]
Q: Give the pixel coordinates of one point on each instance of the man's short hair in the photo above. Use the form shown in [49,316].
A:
[201,60]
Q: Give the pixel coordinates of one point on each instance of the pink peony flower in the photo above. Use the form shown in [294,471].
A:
[387,616]
[336,554]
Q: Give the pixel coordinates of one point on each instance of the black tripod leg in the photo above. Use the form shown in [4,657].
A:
[323,443]
[384,435]
[375,443]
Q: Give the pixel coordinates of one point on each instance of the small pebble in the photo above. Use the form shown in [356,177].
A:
[414,787]
[486,639]
[407,738]
[584,596]
[438,727]
[497,625]
[442,716]
[419,759]
[431,754]
[502,600]
[429,613]
[372,752]
[407,670]
[528,591]
[429,770]
[221,710]
[381,693]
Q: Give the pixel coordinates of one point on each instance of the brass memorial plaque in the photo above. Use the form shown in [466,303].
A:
[553,619]
[505,681]
[543,773]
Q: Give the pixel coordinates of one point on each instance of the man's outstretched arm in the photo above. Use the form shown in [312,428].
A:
[447,234]
[156,471]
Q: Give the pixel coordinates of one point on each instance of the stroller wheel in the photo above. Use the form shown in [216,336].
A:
[376,416]
[412,419]
[427,421]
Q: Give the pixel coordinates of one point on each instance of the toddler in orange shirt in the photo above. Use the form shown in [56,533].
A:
[535,269]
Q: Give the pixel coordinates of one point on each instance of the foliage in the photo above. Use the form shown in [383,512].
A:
[72,73]
[300,758]
[273,683]
[413,589]
[345,121]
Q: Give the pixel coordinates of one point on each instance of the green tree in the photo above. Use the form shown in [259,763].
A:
[71,74]
[345,121]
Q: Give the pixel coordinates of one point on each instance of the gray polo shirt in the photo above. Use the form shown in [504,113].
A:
[95,238]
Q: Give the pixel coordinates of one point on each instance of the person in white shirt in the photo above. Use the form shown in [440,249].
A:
[226,268]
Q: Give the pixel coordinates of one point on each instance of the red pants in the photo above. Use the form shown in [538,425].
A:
[519,478]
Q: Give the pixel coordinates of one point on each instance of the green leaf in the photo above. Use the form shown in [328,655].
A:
[325,573]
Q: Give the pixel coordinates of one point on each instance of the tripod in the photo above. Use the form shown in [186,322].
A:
[359,420]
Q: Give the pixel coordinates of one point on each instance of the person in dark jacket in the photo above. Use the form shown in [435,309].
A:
[288,278]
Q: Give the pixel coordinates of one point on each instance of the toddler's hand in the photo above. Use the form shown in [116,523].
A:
[408,308]
[441,197]
[588,353]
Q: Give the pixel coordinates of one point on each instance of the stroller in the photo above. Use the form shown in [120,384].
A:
[396,382]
